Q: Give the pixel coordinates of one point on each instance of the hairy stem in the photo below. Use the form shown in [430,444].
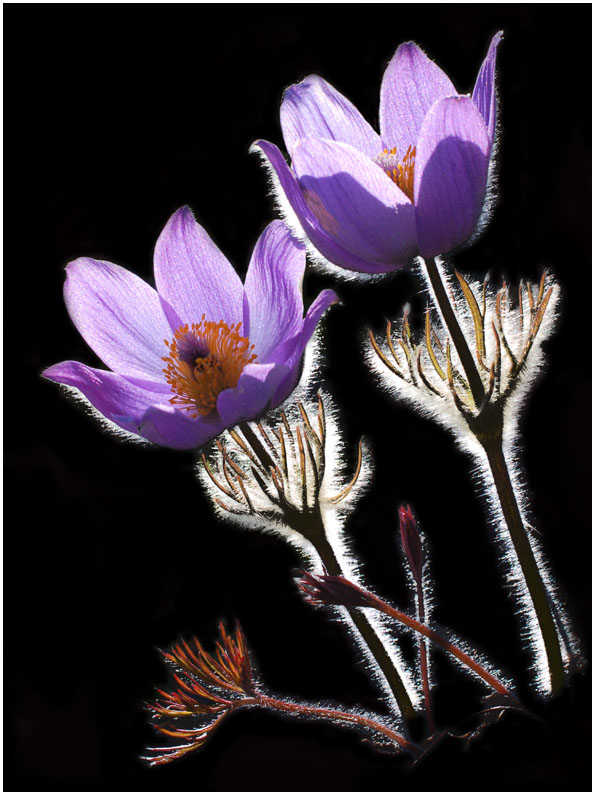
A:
[337,715]
[489,435]
[452,326]
[535,584]
[311,526]
[362,623]
[423,661]
[433,636]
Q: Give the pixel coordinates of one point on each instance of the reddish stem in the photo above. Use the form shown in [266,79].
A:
[423,660]
[338,715]
[378,604]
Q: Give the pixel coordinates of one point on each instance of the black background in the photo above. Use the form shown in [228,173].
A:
[117,115]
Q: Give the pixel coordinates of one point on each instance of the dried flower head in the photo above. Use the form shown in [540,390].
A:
[504,332]
[210,687]
[278,475]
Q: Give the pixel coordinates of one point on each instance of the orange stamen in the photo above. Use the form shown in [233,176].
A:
[400,171]
[204,359]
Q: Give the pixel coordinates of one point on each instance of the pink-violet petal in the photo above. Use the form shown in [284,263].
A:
[192,274]
[175,428]
[253,394]
[484,92]
[411,84]
[291,353]
[450,174]
[119,316]
[289,192]
[356,203]
[314,108]
[114,396]
[274,290]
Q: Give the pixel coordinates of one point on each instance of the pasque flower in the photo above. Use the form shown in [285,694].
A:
[202,352]
[371,202]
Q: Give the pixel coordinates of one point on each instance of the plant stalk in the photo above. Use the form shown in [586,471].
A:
[423,661]
[491,442]
[452,325]
[535,584]
[362,623]
[337,715]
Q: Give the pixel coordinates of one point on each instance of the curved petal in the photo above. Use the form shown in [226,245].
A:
[273,289]
[451,172]
[291,199]
[119,315]
[314,109]
[121,401]
[293,350]
[411,84]
[193,275]
[355,202]
[252,396]
[484,93]
[173,428]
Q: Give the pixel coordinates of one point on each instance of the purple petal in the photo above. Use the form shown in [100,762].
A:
[450,174]
[112,395]
[410,86]
[291,355]
[355,202]
[252,396]
[274,290]
[193,275]
[288,189]
[119,316]
[173,428]
[484,93]
[314,109]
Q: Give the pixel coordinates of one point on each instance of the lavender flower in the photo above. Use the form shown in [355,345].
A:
[371,202]
[202,352]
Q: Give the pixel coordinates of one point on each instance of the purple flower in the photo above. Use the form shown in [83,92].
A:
[202,352]
[371,202]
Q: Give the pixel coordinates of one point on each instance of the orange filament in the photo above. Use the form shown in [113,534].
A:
[400,171]
[204,359]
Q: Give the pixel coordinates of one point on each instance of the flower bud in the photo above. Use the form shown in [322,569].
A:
[411,541]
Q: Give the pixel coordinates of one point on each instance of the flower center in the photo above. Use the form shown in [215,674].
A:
[400,171]
[204,359]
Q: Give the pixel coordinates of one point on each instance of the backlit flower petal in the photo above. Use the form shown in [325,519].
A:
[412,83]
[451,170]
[291,353]
[355,202]
[484,93]
[192,274]
[119,315]
[121,401]
[253,394]
[292,201]
[314,109]
[274,290]
[170,427]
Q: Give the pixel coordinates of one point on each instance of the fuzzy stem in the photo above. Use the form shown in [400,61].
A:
[469,662]
[311,526]
[452,326]
[533,579]
[316,534]
[423,661]
[337,715]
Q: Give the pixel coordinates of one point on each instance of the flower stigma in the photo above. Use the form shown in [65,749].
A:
[204,359]
[400,171]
